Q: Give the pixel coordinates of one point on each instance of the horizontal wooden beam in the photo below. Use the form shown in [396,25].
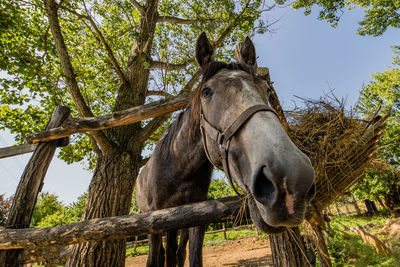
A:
[11,151]
[16,150]
[122,226]
[118,118]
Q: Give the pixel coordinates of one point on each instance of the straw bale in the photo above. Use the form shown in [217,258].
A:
[331,137]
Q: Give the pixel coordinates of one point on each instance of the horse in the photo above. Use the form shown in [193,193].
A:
[228,124]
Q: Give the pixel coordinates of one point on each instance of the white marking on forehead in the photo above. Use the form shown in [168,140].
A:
[253,97]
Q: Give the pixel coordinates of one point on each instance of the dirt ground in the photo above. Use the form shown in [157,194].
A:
[249,252]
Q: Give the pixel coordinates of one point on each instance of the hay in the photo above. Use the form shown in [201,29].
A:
[339,145]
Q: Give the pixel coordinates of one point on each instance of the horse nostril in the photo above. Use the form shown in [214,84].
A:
[311,192]
[263,188]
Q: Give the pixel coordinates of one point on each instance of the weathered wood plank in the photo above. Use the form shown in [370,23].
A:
[11,151]
[118,118]
[29,187]
[16,150]
[122,226]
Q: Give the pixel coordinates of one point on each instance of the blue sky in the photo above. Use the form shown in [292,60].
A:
[304,56]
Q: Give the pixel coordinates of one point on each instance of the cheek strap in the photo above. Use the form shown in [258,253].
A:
[223,139]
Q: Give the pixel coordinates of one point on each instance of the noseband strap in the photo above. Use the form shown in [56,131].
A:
[223,139]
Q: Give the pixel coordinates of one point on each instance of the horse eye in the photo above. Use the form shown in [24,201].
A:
[207,91]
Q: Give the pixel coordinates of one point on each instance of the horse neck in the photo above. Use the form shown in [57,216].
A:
[188,149]
[184,152]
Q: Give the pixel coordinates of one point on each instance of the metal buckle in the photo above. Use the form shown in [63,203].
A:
[220,139]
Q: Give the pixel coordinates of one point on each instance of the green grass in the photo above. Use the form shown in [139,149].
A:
[216,239]
[140,250]
[348,249]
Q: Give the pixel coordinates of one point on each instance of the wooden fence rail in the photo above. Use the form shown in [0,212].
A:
[118,118]
[16,150]
[122,226]
[224,230]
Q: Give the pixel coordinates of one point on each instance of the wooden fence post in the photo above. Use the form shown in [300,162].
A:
[337,209]
[224,228]
[288,249]
[29,187]
[356,204]
[322,250]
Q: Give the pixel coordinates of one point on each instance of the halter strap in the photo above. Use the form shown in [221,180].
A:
[224,138]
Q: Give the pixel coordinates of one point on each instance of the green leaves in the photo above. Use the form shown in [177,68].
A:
[32,82]
[49,212]
[384,92]
[379,14]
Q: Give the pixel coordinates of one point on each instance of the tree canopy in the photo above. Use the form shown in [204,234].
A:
[379,14]
[101,36]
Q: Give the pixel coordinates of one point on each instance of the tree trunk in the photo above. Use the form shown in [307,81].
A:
[355,204]
[379,200]
[110,194]
[288,249]
[329,210]
[29,187]
[110,191]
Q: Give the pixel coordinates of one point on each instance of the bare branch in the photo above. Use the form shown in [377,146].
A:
[176,20]
[72,85]
[138,6]
[158,93]
[152,126]
[230,27]
[169,66]
[143,162]
[190,84]
[107,47]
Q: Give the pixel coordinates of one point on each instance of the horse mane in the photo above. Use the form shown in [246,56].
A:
[166,140]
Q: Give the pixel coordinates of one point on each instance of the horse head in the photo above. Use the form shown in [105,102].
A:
[244,137]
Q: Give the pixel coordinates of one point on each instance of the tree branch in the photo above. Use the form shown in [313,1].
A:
[189,86]
[138,6]
[72,85]
[230,27]
[169,66]
[107,47]
[176,20]
[143,162]
[152,126]
[158,93]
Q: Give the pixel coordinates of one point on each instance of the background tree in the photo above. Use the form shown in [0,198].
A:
[383,93]
[219,188]
[5,205]
[102,56]
[379,14]
[46,204]
[64,215]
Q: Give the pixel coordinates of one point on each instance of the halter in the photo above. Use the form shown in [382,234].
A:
[224,138]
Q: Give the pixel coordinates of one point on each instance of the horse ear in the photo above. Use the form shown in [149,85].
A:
[245,52]
[204,50]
